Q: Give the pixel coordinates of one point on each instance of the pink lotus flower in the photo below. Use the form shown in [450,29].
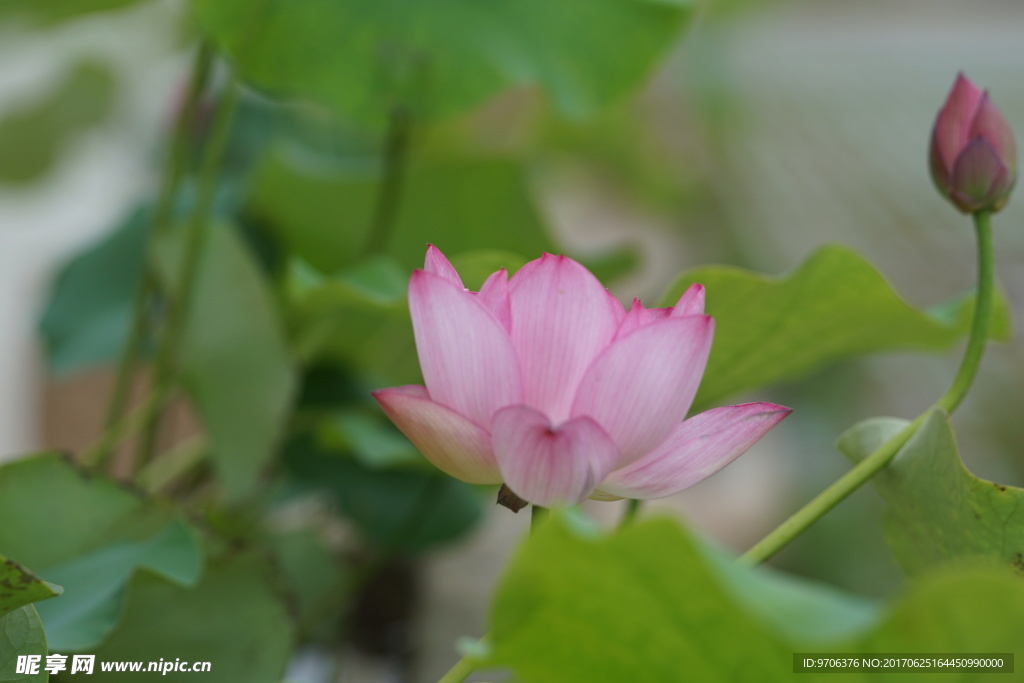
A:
[544,382]
[973,156]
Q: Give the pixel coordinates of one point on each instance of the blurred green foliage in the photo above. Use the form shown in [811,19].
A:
[35,135]
[578,607]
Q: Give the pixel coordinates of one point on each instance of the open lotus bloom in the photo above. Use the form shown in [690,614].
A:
[546,383]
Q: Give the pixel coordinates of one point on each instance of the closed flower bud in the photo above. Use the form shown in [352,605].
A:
[973,156]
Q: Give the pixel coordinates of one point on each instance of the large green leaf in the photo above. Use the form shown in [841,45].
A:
[438,58]
[579,609]
[19,586]
[94,584]
[92,533]
[236,365]
[33,136]
[87,314]
[937,509]
[575,608]
[234,618]
[21,634]
[833,306]
[458,204]
[54,513]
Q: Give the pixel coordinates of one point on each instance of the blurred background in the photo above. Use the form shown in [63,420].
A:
[767,130]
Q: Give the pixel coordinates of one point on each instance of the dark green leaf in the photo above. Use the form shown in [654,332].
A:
[938,510]
[317,577]
[19,586]
[237,367]
[233,619]
[833,306]
[439,58]
[94,584]
[87,315]
[21,634]
[369,437]
[396,508]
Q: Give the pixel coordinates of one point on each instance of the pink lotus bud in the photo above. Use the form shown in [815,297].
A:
[973,155]
[546,383]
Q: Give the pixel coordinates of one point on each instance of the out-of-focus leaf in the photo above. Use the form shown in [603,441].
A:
[937,510]
[33,136]
[54,513]
[359,316]
[397,509]
[458,205]
[370,438]
[316,576]
[56,11]
[234,618]
[21,634]
[953,609]
[573,608]
[802,610]
[19,586]
[87,315]
[236,365]
[833,306]
[94,584]
[442,57]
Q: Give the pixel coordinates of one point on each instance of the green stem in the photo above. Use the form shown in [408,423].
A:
[125,427]
[171,466]
[949,401]
[468,663]
[396,153]
[983,304]
[462,668]
[537,517]
[180,303]
[632,509]
[173,171]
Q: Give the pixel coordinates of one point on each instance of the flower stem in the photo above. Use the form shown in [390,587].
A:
[949,401]
[173,172]
[197,228]
[632,509]
[396,153]
[462,668]
[126,426]
[983,304]
[468,663]
[537,517]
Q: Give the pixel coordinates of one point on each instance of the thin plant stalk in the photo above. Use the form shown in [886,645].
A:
[174,170]
[953,397]
[396,155]
[179,308]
